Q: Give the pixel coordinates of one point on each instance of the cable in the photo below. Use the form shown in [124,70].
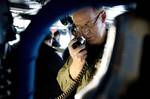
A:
[74,85]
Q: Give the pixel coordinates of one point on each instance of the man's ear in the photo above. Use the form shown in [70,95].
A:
[103,16]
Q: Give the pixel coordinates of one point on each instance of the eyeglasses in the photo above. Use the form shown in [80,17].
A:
[89,25]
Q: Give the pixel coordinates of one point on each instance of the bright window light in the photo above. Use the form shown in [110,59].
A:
[113,12]
[15,41]
[21,24]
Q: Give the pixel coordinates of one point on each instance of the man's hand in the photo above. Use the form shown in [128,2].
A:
[79,56]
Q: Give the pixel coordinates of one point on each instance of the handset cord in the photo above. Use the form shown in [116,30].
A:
[74,85]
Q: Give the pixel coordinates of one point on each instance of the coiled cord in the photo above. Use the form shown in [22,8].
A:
[74,85]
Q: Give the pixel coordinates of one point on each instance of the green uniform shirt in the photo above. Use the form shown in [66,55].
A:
[65,80]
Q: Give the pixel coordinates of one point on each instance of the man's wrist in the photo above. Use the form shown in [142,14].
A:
[75,69]
[71,76]
[73,73]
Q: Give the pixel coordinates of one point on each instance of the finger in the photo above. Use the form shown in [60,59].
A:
[82,54]
[84,57]
[78,53]
[72,42]
[80,49]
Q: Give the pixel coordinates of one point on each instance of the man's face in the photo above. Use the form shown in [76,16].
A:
[89,25]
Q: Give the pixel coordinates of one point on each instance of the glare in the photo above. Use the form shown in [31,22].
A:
[58,25]
[114,11]
[15,41]
[21,24]
[64,38]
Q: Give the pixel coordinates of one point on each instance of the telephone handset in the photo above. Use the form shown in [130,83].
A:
[80,41]
[74,85]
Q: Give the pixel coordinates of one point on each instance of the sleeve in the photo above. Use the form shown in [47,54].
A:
[64,80]
[63,77]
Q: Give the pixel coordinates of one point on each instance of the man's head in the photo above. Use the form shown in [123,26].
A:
[90,23]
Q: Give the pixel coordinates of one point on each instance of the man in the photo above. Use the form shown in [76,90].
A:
[90,23]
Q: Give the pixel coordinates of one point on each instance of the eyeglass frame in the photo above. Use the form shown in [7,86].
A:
[80,28]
